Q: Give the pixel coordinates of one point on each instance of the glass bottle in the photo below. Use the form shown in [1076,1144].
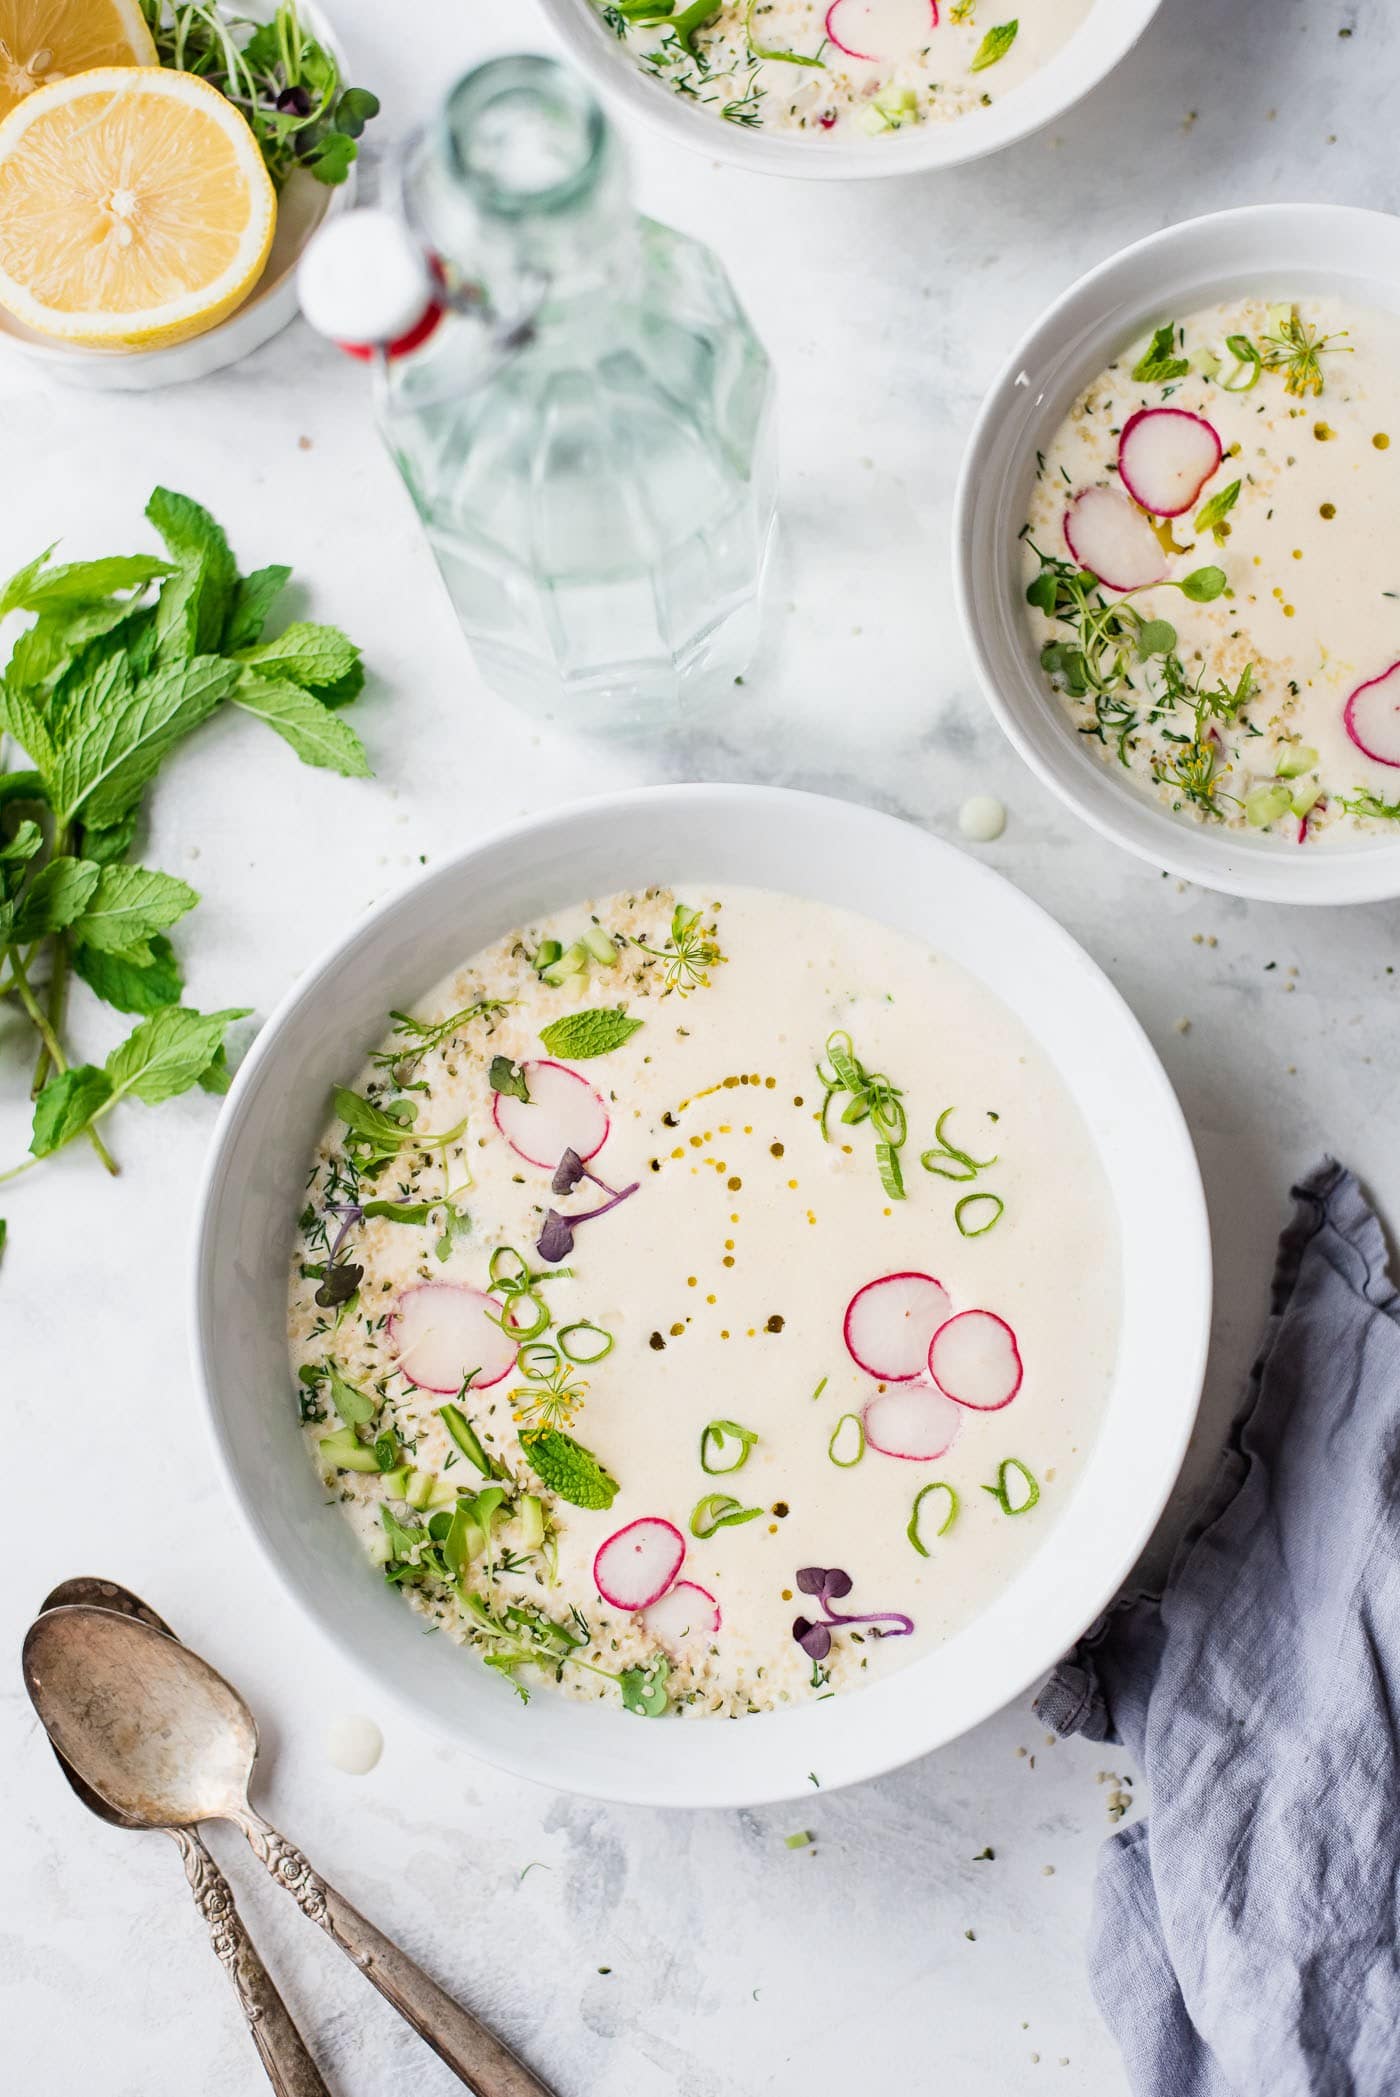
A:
[588,436]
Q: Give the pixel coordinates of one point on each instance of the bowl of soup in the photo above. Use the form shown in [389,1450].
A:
[847,88]
[698,1254]
[1174,539]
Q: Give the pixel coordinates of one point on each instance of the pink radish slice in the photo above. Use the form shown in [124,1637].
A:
[880,30]
[1373,717]
[444,1330]
[974,1361]
[562,1113]
[1110,537]
[685,1614]
[1165,458]
[890,1322]
[912,1421]
[637,1564]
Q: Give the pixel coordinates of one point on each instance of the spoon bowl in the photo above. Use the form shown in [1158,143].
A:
[149,1726]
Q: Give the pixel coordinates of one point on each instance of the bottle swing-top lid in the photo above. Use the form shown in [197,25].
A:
[366,284]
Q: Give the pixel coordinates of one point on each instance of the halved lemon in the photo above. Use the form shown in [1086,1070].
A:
[43,40]
[135,209]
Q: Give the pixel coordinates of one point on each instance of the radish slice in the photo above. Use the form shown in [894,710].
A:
[444,1330]
[1165,458]
[1373,717]
[974,1361]
[562,1113]
[880,30]
[890,1322]
[913,1422]
[637,1564]
[684,1615]
[1110,537]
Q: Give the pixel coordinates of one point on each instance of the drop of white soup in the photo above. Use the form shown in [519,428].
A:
[982,818]
[354,1744]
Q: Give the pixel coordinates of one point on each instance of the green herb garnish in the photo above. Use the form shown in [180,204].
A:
[791,58]
[1296,349]
[580,1035]
[1372,806]
[1243,374]
[870,1097]
[644,1691]
[420,1036]
[126,656]
[276,74]
[1001,1494]
[465,1435]
[719,1511]
[994,46]
[690,951]
[355,1407]
[947,1160]
[505,1076]
[1211,516]
[847,1463]
[567,1468]
[724,1447]
[1161,360]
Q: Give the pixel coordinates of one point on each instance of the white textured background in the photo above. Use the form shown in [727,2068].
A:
[737,1967]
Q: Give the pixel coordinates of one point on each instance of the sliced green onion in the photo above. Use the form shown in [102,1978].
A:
[538,1360]
[465,1436]
[979,1230]
[719,1511]
[713,1440]
[1000,1493]
[891,1172]
[847,1463]
[510,1319]
[581,1357]
[937,1485]
[820,1388]
[503,1274]
[944,1149]
[1244,373]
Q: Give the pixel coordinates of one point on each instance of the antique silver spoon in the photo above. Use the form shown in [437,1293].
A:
[164,1739]
[290,2068]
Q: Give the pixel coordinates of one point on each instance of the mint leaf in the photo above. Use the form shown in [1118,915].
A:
[128,905]
[567,1468]
[167,1053]
[195,604]
[66,1106]
[305,654]
[131,985]
[1203,585]
[583,1034]
[315,733]
[83,582]
[115,749]
[508,1077]
[253,598]
[26,724]
[1160,362]
[23,845]
[216,1077]
[1211,516]
[58,893]
[994,45]
[13,596]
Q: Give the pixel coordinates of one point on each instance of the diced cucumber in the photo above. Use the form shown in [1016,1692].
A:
[572,962]
[1301,758]
[548,954]
[396,1482]
[1306,798]
[465,1436]
[421,1487]
[601,945]
[343,1451]
[531,1522]
[1265,805]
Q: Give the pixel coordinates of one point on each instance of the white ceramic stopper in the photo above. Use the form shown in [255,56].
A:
[364,279]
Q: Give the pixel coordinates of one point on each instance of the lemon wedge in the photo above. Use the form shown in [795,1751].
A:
[43,40]
[135,209]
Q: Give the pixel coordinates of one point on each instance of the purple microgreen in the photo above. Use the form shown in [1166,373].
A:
[812,1579]
[350,1213]
[814,1639]
[556,1240]
[567,1173]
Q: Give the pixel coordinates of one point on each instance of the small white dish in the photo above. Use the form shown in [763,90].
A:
[1278,250]
[304,205]
[834,852]
[1103,38]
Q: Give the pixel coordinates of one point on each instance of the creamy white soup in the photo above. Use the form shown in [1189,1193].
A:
[1212,568]
[703,1301]
[841,68]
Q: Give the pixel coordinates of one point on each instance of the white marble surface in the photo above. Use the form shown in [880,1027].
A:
[735,1966]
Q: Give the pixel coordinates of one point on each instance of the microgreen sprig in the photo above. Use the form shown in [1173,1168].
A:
[826,1583]
[689,953]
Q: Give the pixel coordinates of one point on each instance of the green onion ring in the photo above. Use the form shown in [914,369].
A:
[982,1229]
[725,1431]
[936,1485]
[1003,1498]
[533,1351]
[570,1354]
[719,1511]
[847,1463]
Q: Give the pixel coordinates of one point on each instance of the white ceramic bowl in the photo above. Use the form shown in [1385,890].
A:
[1107,33]
[304,205]
[1278,250]
[838,853]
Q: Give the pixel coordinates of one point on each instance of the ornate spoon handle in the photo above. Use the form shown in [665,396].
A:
[290,2068]
[481,2061]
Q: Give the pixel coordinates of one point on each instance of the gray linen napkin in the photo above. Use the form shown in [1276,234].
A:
[1244,1941]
